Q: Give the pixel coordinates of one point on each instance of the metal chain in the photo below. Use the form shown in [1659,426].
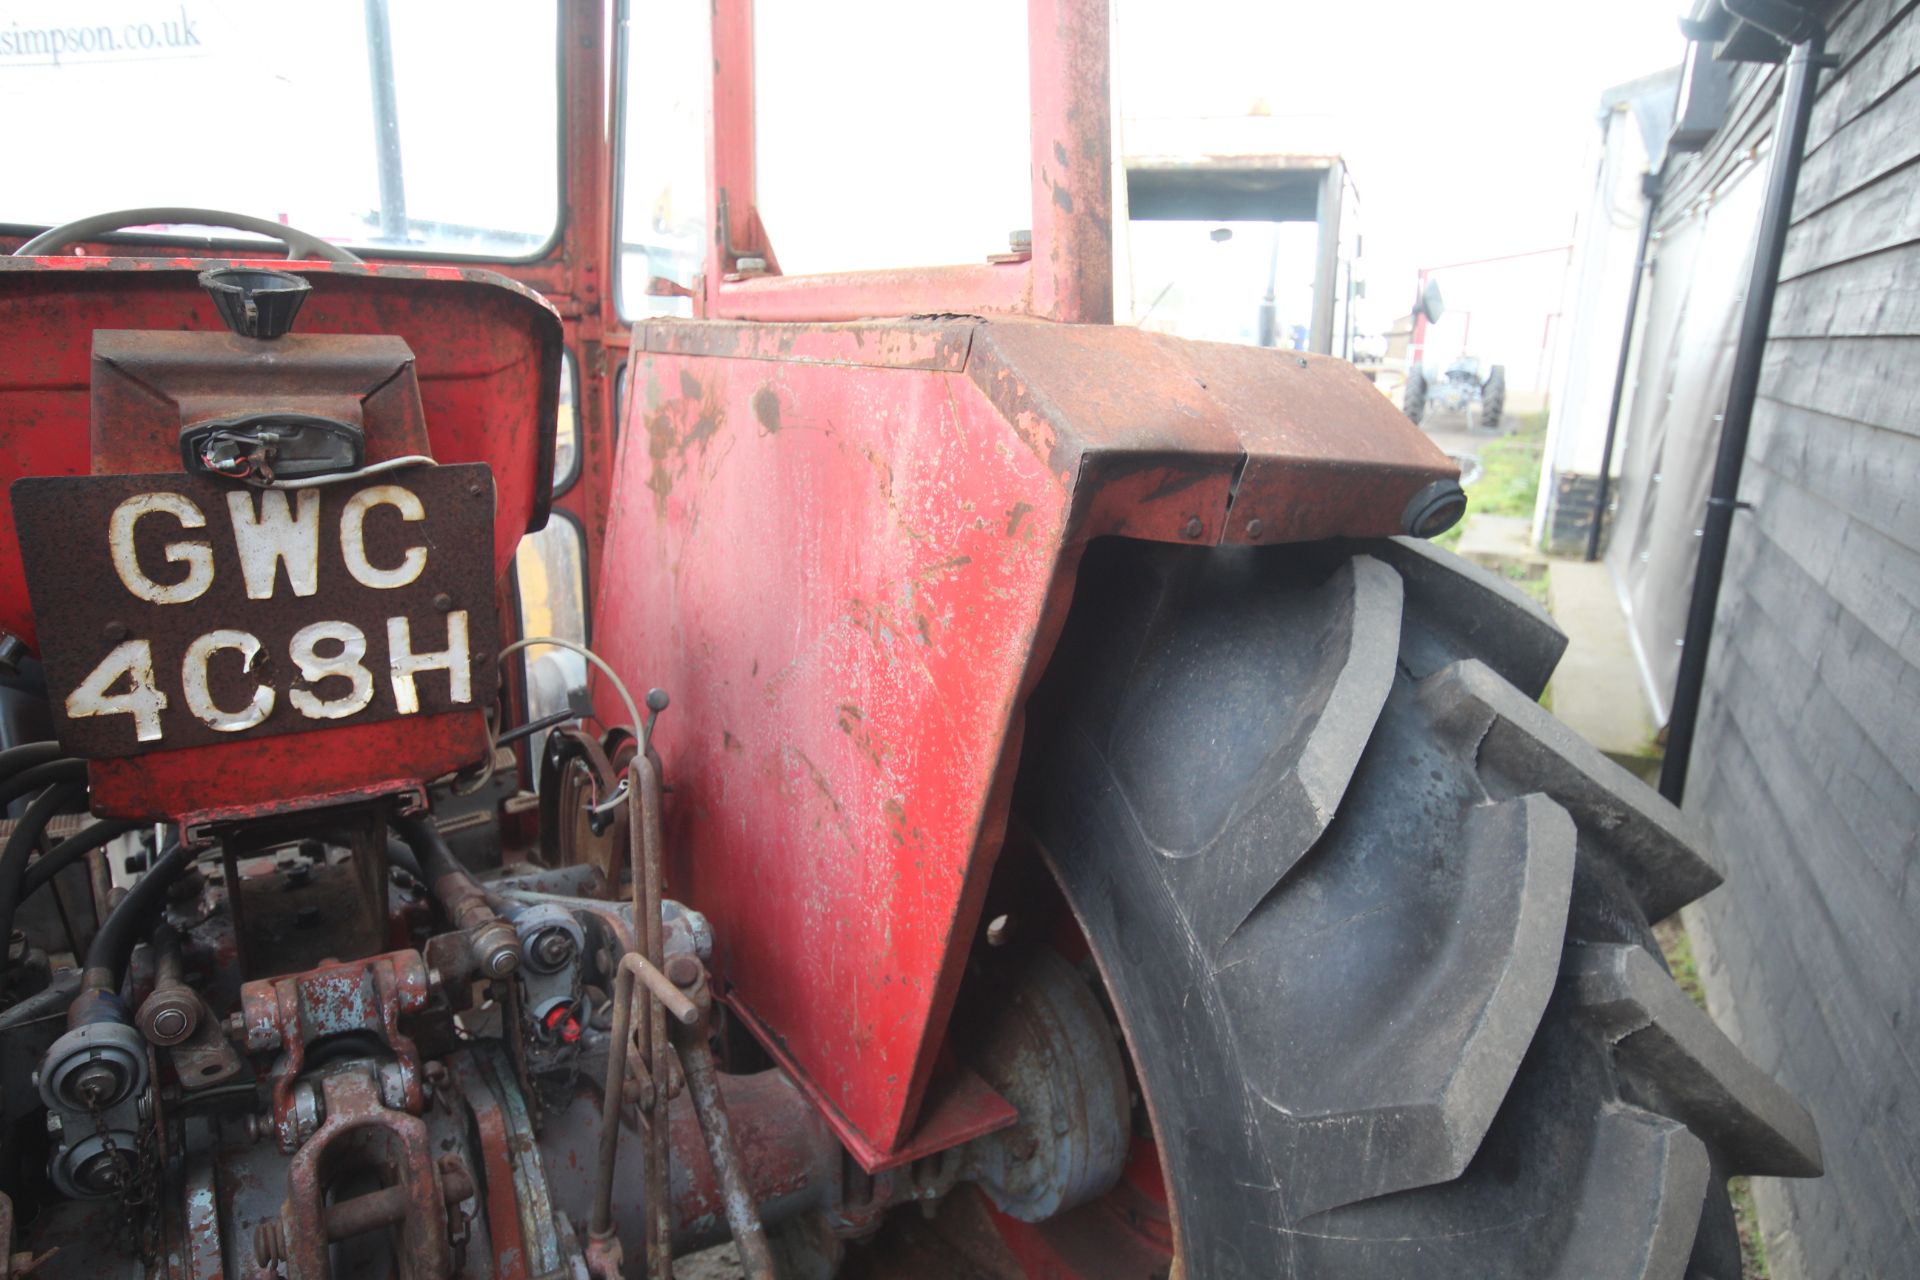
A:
[135,1197]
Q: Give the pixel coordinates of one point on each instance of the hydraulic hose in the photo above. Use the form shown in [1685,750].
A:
[71,850]
[27,754]
[430,850]
[36,776]
[126,924]
[20,845]
[400,854]
[495,946]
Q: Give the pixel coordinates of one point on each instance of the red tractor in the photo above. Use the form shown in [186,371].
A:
[1028,802]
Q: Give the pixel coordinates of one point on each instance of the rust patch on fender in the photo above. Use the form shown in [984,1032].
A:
[766,407]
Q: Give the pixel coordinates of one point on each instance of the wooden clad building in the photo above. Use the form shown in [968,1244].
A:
[1807,763]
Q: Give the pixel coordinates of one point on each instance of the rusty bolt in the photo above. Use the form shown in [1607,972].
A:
[683,970]
[169,1023]
[496,948]
[260,1039]
[116,632]
[168,1016]
[443,602]
[1192,528]
[474,490]
[1255,528]
[307,917]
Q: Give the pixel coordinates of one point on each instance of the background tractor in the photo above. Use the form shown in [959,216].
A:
[1459,389]
[1037,804]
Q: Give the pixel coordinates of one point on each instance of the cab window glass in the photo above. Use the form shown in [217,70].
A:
[364,122]
[619,403]
[550,571]
[566,439]
[665,82]
[919,188]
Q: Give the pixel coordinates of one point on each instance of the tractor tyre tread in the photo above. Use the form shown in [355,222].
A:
[1466,608]
[1413,400]
[1493,398]
[1378,928]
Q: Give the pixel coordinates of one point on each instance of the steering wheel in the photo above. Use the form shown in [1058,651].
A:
[300,244]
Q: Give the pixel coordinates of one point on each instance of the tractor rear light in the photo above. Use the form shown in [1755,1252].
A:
[264,447]
[1435,509]
[281,444]
[254,302]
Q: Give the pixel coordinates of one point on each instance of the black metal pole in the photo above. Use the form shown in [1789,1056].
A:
[386,123]
[1790,136]
[1269,330]
[1650,188]
[1346,317]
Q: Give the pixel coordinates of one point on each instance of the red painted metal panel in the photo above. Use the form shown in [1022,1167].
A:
[982,289]
[297,770]
[731,202]
[837,573]
[1324,453]
[487,352]
[887,344]
[958,1107]
[1072,165]
[148,382]
[845,551]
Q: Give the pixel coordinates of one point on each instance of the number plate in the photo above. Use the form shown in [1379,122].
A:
[183,611]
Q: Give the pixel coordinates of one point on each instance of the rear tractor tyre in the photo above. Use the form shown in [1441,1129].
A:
[1376,927]
[1493,397]
[1413,400]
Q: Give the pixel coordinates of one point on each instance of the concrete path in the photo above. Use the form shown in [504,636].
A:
[1596,689]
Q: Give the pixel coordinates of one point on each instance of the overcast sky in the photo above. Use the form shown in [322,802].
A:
[1466,125]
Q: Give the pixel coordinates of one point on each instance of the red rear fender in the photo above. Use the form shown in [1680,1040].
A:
[846,551]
